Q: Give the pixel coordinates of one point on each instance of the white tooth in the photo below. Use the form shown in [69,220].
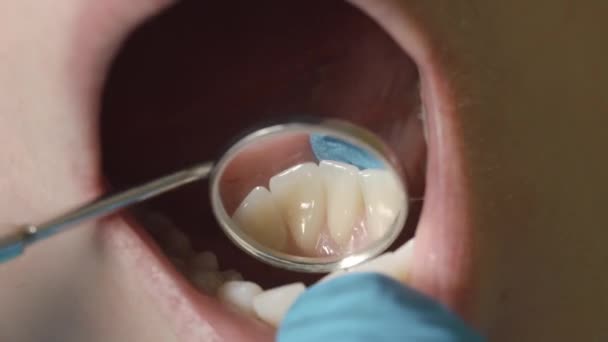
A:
[386,264]
[205,261]
[232,275]
[259,216]
[272,305]
[404,255]
[207,281]
[239,294]
[344,199]
[383,198]
[299,193]
[392,264]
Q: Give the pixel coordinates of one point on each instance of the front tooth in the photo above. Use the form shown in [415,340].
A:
[395,264]
[300,195]
[259,216]
[239,294]
[272,305]
[386,264]
[383,264]
[392,264]
[344,199]
[383,197]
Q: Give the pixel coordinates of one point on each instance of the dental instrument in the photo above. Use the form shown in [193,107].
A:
[250,165]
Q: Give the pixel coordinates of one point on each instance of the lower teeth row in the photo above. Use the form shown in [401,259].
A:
[203,271]
[271,305]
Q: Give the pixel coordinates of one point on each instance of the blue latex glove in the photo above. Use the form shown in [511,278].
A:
[329,148]
[367,307]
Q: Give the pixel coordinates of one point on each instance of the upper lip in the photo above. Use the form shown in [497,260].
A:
[441,263]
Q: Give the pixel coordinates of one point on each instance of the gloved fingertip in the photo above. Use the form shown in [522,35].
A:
[370,307]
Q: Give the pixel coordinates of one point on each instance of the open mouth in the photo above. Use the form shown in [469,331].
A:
[188,81]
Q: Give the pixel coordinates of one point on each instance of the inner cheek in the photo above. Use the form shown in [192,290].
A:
[188,82]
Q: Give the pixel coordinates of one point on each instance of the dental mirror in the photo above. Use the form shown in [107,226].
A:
[308,197]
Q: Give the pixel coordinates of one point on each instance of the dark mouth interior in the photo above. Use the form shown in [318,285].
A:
[188,81]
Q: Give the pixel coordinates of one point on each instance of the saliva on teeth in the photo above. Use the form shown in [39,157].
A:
[326,209]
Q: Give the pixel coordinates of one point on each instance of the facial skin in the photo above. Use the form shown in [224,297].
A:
[517,89]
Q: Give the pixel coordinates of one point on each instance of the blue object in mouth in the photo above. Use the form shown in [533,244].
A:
[329,148]
[362,307]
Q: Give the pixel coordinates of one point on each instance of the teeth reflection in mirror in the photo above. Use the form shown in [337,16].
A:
[387,264]
[239,294]
[299,193]
[383,199]
[272,305]
[344,199]
[405,253]
[259,216]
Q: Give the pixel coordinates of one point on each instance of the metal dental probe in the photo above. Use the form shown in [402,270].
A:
[15,244]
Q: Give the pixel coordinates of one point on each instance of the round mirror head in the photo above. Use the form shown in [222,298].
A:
[310,197]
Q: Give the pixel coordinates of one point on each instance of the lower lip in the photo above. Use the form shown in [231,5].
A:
[193,316]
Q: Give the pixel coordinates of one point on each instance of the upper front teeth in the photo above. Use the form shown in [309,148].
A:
[259,216]
[344,199]
[383,198]
[319,207]
[300,194]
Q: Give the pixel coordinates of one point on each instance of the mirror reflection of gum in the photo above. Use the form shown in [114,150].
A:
[344,199]
[308,202]
[256,163]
